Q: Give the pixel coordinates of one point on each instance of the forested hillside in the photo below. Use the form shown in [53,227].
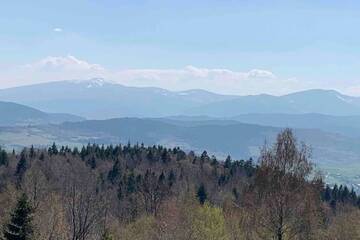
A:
[153,192]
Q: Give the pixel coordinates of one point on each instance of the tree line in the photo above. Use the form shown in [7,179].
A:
[153,192]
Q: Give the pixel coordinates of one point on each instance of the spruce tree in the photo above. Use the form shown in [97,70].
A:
[19,227]
[161,178]
[227,162]
[115,173]
[32,151]
[53,150]
[335,192]
[131,183]
[21,168]
[204,157]
[327,194]
[3,157]
[201,194]
[171,178]
[92,162]
[42,156]
[345,194]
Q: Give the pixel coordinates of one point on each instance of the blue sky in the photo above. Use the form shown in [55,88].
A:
[303,44]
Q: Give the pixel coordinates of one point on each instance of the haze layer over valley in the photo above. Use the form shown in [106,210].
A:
[195,120]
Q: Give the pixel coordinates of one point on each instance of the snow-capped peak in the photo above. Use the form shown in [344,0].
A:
[93,82]
[97,82]
[342,98]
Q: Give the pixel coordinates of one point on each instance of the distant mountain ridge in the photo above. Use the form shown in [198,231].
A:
[345,125]
[17,114]
[100,99]
[327,102]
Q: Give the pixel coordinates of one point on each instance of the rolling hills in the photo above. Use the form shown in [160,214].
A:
[17,114]
[336,155]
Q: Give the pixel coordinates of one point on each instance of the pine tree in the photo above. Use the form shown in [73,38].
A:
[227,162]
[345,194]
[353,196]
[165,156]
[235,193]
[42,156]
[3,158]
[131,183]
[53,150]
[83,153]
[115,173]
[150,156]
[171,178]
[20,227]
[92,162]
[334,192]
[214,161]
[333,204]
[161,178]
[21,168]
[204,157]
[75,151]
[327,194]
[32,151]
[201,194]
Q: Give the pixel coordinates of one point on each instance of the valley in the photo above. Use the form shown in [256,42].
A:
[335,139]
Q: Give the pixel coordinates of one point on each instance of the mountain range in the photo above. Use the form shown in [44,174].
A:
[328,102]
[345,125]
[80,112]
[100,99]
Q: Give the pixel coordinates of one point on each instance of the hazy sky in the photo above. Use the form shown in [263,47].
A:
[241,47]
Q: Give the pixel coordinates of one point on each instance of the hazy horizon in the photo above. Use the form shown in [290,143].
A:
[176,90]
[229,48]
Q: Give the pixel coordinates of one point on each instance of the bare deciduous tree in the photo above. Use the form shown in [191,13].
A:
[84,203]
[281,186]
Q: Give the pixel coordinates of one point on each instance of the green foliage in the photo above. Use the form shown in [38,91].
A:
[209,224]
[143,228]
[107,236]
[20,227]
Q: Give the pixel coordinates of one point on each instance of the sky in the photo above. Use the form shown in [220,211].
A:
[231,47]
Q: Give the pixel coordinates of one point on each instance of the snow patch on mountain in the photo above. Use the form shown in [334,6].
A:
[342,98]
[93,82]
